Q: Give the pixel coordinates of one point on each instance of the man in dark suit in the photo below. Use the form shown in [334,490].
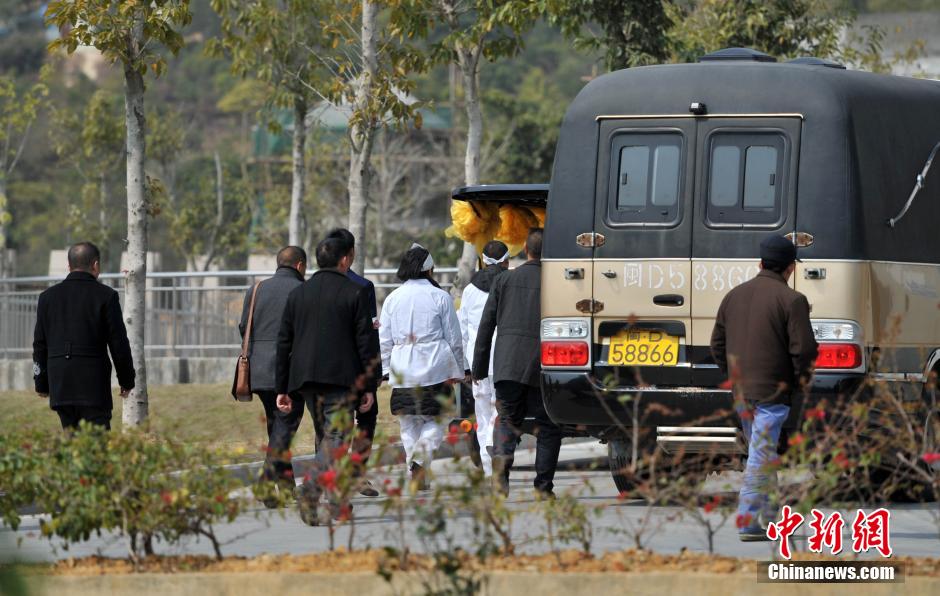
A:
[365,421]
[328,358]
[262,353]
[513,307]
[764,336]
[77,322]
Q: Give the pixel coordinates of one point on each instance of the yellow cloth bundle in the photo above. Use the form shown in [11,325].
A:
[474,222]
[478,222]
[515,221]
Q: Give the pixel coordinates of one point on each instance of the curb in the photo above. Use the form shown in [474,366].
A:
[494,583]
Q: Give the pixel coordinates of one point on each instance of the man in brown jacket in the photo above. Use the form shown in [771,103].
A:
[763,335]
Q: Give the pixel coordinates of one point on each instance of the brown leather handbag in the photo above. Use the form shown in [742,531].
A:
[241,386]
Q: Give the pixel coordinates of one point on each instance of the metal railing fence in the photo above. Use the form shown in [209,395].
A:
[188,313]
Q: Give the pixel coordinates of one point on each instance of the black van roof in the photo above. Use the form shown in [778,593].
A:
[864,138]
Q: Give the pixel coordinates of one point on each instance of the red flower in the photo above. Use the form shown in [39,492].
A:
[340,452]
[712,505]
[815,413]
[355,458]
[387,481]
[345,512]
[393,491]
[83,481]
[327,480]
[930,458]
[796,440]
[288,473]
[476,426]
[842,461]
[746,415]
[452,438]
[220,498]
[726,384]
[167,497]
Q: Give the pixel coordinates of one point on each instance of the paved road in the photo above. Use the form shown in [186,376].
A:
[914,530]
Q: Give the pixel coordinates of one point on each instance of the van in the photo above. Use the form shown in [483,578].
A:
[665,181]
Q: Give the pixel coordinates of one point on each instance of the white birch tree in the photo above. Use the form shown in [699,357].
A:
[132,33]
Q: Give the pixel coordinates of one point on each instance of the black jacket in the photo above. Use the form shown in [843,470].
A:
[77,322]
[513,306]
[327,336]
[266,323]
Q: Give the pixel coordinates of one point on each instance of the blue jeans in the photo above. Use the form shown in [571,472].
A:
[762,433]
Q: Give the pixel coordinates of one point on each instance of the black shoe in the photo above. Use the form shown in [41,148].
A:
[544,495]
[419,478]
[366,489]
[308,504]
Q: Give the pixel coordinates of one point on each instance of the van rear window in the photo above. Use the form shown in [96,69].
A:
[745,178]
[644,180]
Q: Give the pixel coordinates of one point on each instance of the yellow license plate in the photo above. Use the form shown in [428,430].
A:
[644,348]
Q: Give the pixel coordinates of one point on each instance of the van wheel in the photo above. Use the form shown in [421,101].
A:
[619,457]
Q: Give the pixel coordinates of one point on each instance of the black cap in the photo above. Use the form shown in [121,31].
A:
[778,250]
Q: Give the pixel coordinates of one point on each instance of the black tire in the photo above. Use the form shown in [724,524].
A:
[619,457]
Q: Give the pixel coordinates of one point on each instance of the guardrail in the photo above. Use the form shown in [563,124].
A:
[189,314]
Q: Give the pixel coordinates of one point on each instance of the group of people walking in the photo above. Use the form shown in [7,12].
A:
[318,345]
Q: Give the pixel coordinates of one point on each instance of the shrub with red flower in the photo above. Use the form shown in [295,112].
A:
[930,458]
[453,437]
[712,505]
[327,480]
[796,440]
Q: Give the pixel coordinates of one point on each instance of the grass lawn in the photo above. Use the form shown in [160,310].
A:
[204,414]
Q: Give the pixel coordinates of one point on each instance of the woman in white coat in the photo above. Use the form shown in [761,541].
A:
[422,356]
[496,261]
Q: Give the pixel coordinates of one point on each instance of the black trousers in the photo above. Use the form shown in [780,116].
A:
[515,402]
[365,427]
[281,430]
[70,416]
[324,404]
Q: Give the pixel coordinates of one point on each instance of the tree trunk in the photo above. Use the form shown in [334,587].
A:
[135,301]
[3,224]
[469,62]
[362,137]
[298,186]
[103,194]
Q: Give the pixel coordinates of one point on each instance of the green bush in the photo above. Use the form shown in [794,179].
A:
[92,481]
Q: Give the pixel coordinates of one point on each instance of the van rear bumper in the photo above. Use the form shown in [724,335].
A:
[577,398]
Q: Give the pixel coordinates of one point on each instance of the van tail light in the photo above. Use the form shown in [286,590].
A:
[835,355]
[564,353]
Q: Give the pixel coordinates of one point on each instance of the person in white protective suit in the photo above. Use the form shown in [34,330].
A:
[422,357]
[496,262]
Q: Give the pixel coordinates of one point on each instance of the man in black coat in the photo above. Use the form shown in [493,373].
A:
[328,358]
[513,306]
[365,421]
[77,322]
[262,353]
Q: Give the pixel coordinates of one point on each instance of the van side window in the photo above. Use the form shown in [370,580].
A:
[644,178]
[745,178]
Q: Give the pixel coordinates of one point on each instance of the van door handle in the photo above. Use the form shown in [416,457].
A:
[669,300]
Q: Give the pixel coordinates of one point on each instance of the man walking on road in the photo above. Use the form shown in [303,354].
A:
[763,335]
[262,352]
[365,421]
[78,321]
[328,358]
[513,307]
